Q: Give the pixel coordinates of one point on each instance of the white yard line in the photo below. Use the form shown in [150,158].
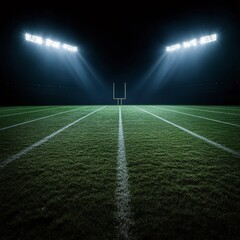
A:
[215,144]
[40,142]
[37,119]
[196,116]
[124,215]
[13,114]
[197,109]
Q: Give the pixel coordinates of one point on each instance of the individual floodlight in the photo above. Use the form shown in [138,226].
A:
[34,39]
[173,47]
[70,48]
[193,43]
[208,39]
[50,43]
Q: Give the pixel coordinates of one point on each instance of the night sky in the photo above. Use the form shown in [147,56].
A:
[121,42]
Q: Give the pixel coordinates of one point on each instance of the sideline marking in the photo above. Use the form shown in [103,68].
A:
[197,109]
[13,114]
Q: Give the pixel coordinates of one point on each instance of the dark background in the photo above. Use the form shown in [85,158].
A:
[120,42]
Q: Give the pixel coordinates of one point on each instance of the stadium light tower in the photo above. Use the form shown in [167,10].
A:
[50,43]
[192,43]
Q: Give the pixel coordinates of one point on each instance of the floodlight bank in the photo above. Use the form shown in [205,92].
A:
[192,43]
[49,43]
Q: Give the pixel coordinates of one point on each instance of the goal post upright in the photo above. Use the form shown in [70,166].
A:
[120,99]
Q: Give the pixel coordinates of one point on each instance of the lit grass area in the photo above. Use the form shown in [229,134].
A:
[15,139]
[17,116]
[181,187]
[65,188]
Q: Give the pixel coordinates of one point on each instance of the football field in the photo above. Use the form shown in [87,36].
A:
[129,172]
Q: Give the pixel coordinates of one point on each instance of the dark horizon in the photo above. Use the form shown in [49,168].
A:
[122,43]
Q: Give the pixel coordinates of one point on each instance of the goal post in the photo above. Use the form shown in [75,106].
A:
[120,99]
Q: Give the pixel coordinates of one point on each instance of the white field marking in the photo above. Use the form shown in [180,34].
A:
[45,109]
[215,144]
[224,108]
[196,116]
[37,119]
[124,215]
[197,109]
[40,142]
[4,109]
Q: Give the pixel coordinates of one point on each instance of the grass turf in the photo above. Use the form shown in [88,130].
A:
[181,187]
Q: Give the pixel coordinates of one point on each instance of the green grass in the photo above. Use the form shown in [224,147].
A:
[181,187]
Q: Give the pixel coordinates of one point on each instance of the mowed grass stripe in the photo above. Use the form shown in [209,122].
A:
[215,144]
[14,140]
[124,214]
[27,112]
[197,116]
[40,142]
[37,119]
[65,189]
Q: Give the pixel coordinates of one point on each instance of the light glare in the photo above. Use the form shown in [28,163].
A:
[173,47]
[70,48]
